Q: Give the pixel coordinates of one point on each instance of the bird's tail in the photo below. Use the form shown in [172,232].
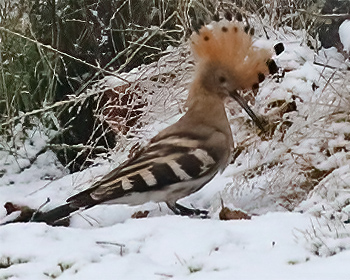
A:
[56,216]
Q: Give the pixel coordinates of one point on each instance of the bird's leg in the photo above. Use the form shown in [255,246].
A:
[179,209]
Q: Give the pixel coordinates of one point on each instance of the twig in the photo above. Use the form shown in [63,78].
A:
[325,16]
[122,246]
[326,66]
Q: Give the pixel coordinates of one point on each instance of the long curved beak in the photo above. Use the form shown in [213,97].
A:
[241,101]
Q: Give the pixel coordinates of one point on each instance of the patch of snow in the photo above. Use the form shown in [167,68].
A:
[344,34]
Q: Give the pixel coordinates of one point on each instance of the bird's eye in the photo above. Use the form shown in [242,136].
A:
[222,79]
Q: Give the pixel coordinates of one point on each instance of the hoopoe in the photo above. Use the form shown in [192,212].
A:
[182,158]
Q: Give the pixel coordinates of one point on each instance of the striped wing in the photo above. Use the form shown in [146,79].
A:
[162,164]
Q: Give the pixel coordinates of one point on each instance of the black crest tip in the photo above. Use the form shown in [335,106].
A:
[279,48]
[239,16]
[197,25]
[216,17]
[271,64]
[261,77]
[228,16]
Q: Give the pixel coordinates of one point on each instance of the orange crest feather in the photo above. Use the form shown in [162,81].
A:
[226,42]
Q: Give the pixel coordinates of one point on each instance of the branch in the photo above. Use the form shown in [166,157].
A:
[325,16]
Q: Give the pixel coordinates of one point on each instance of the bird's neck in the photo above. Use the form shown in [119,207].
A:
[206,107]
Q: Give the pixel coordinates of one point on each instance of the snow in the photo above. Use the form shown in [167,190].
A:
[298,228]
[168,247]
[153,248]
[344,34]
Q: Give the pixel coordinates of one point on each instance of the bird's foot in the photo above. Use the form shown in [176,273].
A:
[179,209]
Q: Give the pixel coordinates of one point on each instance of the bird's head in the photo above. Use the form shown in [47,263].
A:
[226,54]
[228,61]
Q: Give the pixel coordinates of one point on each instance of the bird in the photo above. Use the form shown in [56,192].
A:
[185,156]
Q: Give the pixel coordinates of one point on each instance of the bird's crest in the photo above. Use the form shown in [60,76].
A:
[227,43]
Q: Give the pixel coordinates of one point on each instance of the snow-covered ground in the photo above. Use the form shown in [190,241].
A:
[295,184]
[169,247]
